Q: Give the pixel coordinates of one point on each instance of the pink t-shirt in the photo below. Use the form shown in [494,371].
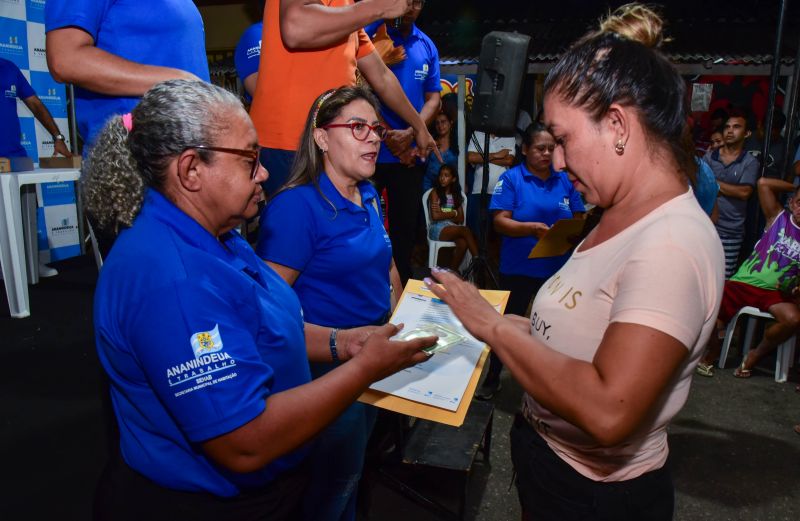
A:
[665,272]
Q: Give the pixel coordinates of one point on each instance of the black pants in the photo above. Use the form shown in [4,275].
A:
[404,190]
[550,490]
[125,495]
[522,289]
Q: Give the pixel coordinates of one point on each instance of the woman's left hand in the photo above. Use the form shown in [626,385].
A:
[477,315]
[351,341]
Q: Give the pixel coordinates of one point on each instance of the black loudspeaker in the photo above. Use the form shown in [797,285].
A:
[502,65]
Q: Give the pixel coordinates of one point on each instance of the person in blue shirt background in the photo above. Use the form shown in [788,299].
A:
[246,58]
[398,170]
[323,233]
[114,51]
[527,200]
[204,345]
[444,133]
[14,86]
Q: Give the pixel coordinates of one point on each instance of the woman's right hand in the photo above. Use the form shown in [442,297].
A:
[382,357]
[477,315]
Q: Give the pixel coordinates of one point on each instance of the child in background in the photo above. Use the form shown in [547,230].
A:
[447,215]
[716,140]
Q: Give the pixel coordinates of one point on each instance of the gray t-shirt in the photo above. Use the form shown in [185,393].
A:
[742,171]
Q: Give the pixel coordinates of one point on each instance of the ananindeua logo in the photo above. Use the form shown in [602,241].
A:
[210,365]
[206,342]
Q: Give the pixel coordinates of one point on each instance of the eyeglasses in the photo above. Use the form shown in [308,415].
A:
[251,153]
[361,130]
[542,148]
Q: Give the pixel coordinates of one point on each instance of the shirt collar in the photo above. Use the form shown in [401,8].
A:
[339,202]
[395,34]
[528,174]
[715,157]
[157,206]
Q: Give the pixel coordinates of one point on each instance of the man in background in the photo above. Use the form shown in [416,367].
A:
[398,170]
[307,48]
[736,172]
[14,87]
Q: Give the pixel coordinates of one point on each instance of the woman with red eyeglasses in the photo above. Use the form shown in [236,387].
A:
[323,233]
[528,199]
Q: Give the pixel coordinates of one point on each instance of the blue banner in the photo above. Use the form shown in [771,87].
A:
[14,41]
[35,10]
[27,129]
[52,94]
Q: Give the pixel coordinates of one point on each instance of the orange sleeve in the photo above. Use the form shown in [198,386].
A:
[365,46]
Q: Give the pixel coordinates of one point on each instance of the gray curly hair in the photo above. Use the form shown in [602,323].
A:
[171,117]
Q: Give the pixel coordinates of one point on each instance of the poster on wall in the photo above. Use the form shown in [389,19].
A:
[449,84]
[22,42]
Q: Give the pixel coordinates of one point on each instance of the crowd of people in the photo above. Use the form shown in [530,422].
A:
[234,371]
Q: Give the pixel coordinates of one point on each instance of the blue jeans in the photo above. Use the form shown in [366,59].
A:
[336,463]
[279,165]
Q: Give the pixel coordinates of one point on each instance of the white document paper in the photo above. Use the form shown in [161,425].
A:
[441,380]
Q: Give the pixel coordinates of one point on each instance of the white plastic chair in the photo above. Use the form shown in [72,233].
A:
[785,352]
[435,246]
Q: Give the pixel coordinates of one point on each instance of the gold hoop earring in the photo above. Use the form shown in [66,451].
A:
[619,148]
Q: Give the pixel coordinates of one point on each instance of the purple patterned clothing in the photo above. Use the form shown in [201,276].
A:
[775,261]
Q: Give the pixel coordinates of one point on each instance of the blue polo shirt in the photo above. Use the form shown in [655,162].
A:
[742,171]
[341,250]
[13,86]
[705,187]
[418,74]
[167,33]
[195,333]
[248,53]
[532,200]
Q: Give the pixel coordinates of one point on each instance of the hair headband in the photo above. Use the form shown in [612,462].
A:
[322,100]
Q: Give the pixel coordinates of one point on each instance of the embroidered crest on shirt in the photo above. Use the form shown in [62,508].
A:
[205,342]
[421,74]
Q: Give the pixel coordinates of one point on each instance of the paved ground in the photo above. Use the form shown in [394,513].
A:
[734,454]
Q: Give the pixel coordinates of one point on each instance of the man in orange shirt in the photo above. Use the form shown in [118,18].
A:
[308,47]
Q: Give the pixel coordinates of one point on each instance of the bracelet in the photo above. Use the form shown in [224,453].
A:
[333,346]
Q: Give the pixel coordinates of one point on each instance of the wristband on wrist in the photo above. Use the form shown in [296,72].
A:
[333,345]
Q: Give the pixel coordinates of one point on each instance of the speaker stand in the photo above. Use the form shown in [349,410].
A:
[480,271]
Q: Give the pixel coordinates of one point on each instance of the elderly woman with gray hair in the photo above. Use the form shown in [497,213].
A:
[204,345]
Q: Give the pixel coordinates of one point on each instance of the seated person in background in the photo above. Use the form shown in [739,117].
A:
[528,199]
[447,216]
[204,345]
[444,133]
[765,280]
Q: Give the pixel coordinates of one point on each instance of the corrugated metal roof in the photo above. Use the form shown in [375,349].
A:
[732,32]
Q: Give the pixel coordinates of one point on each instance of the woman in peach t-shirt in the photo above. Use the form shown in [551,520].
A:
[607,358]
